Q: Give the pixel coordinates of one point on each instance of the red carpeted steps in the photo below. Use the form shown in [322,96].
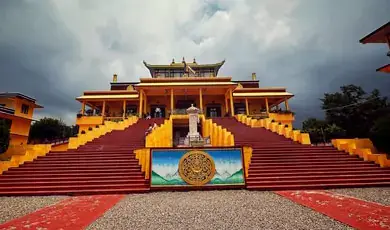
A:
[279,163]
[105,165]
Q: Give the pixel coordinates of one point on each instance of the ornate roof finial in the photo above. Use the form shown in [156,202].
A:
[194,60]
[183,60]
[115,78]
[253,76]
[173,61]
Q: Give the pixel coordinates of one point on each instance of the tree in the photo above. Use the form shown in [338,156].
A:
[380,134]
[353,110]
[48,129]
[334,132]
[321,131]
[5,126]
[315,128]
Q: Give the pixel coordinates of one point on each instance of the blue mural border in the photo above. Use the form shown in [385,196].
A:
[191,187]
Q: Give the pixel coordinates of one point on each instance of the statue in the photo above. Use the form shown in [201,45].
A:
[193,137]
[193,120]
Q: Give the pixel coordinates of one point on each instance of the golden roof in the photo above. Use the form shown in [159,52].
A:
[263,94]
[184,84]
[180,65]
[103,97]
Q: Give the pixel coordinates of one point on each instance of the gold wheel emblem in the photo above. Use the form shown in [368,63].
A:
[196,168]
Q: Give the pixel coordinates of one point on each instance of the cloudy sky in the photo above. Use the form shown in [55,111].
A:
[53,50]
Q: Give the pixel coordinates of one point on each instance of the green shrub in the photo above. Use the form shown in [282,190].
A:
[5,126]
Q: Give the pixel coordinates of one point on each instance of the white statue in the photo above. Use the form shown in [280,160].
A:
[193,120]
[193,114]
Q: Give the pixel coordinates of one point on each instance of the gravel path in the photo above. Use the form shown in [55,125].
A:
[378,195]
[212,210]
[14,207]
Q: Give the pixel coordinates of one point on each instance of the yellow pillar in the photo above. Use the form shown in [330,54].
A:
[226,104]
[172,108]
[83,108]
[200,100]
[246,106]
[286,104]
[104,109]
[124,109]
[231,102]
[140,103]
[266,105]
[145,102]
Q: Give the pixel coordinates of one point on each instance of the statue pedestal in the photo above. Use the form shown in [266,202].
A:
[193,137]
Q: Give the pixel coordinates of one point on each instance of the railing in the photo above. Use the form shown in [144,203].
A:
[52,142]
[114,119]
[261,115]
[6,110]
[199,141]
[182,112]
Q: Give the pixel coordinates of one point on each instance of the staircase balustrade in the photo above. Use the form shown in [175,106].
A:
[143,156]
[19,154]
[107,127]
[218,136]
[276,127]
[161,136]
[363,148]
[278,163]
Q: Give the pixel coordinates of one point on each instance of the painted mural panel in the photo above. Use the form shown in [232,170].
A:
[189,167]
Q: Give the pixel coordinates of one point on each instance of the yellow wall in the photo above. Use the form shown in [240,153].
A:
[60,147]
[286,119]
[92,120]
[18,139]
[18,108]
[20,126]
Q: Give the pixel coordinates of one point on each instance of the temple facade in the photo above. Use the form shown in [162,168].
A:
[171,89]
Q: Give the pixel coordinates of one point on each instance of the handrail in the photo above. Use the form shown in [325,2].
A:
[52,142]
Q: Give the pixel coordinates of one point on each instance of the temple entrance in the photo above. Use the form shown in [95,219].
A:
[157,111]
[213,110]
[184,104]
[239,108]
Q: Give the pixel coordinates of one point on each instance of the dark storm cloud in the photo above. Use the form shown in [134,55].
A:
[328,54]
[37,50]
[33,46]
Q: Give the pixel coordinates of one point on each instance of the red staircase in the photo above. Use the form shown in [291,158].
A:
[105,165]
[279,163]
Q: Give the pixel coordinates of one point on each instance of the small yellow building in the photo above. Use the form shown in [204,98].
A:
[19,109]
[171,89]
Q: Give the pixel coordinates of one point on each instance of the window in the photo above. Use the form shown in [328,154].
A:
[25,109]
